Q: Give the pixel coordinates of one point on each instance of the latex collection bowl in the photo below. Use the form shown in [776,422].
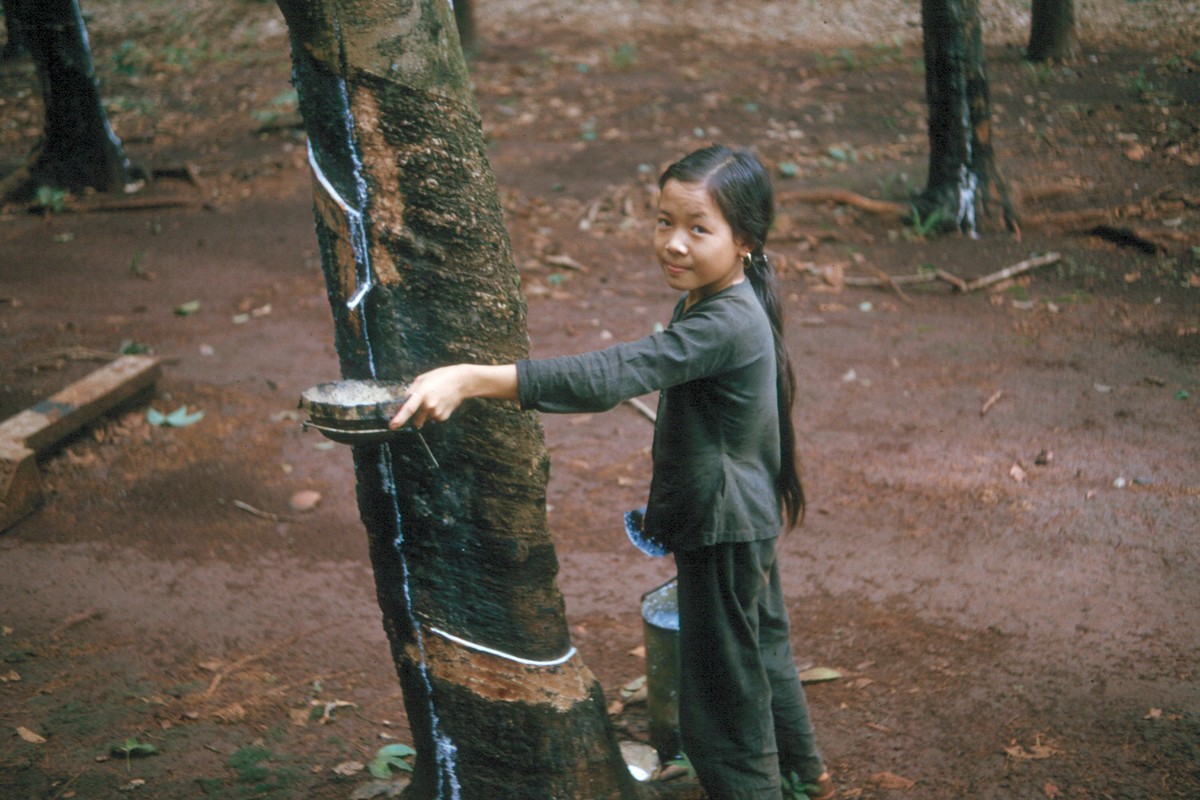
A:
[353,411]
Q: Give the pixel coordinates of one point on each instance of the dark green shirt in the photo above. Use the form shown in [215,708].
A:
[716,440]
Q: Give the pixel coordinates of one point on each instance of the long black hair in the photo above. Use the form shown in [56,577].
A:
[739,185]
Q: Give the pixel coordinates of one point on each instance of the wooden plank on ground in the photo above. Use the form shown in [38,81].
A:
[36,429]
[60,415]
[20,483]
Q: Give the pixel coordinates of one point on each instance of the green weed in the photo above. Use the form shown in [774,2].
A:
[281,105]
[920,229]
[131,748]
[256,775]
[1040,73]
[624,57]
[51,199]
[896,185]
[795,789]
[391,757]
[130,58]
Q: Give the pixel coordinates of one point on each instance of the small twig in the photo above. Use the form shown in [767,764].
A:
[643,409]
[891,282]
[249,509]
[62,790]
[278,690]
[953,280]
[1015,269]
[991,401]
[228,670]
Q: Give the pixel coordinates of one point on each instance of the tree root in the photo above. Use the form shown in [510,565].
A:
[884,208]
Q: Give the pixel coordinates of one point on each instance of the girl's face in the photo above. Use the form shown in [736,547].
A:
[696,248]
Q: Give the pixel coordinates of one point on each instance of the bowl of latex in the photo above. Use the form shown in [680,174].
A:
[353,411]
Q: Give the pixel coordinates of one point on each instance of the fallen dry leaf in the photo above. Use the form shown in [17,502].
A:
[1035,752]
[235,712]
[890,780]
[348,768]
[1154,713]
[30,736]
[328,707]
[820,674]
[12,676]
[1051,791]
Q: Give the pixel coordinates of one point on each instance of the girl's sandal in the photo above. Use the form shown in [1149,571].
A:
[823,789]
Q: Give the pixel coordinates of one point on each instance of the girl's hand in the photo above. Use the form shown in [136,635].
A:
[437,393]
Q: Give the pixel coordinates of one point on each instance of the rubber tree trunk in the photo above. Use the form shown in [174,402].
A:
[1052,31]
[420,273]
[962,169]
[79,149]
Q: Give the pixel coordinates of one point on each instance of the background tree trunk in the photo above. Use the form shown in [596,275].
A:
[962,170]
[464,17]
[420,273]
[78,149]
[1052,31]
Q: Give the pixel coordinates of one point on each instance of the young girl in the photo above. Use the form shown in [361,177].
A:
[725,475]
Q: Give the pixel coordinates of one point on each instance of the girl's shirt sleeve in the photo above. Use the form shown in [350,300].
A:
[706,340]
[716,439]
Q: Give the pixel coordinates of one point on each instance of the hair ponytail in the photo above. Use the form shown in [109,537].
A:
[761,274]
[741,189]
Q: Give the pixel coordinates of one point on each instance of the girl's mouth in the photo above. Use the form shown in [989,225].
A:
[674,269]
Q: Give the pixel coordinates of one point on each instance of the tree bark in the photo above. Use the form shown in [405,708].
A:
[1052,31]
[962,170]
[419,273]
[14,44]
[79,149]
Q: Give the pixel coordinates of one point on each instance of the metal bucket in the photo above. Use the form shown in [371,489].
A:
[660,618]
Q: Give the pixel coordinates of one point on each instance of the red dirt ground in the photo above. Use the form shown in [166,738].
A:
[1011,596]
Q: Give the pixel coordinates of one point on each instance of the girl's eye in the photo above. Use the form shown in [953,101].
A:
[699,229]
[663,222]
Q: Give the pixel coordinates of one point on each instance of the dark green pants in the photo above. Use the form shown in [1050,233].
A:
[742,712]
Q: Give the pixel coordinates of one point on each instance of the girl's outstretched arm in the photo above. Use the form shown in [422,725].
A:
[437,393]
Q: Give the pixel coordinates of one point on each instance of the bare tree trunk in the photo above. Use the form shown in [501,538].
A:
[1052,31]
[962,170]
[419,273]
[78,148]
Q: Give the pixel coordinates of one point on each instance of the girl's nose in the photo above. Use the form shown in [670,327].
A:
[676,245]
